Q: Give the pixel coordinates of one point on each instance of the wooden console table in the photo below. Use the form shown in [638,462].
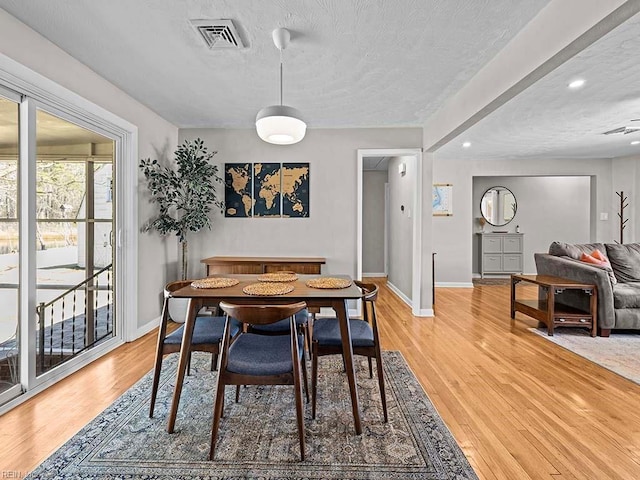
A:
[258,265]
[549,312]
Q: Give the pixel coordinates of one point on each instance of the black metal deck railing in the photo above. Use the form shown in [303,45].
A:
[69,324]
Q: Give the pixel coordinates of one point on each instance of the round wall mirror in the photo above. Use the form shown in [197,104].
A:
[498,206]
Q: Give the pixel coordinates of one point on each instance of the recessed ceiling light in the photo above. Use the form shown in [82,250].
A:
[466,144]
[635,142]
[577,83]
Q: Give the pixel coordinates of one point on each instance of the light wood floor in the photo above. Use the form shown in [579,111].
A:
[519,406]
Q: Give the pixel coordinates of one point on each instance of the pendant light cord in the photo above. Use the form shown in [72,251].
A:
[280,77]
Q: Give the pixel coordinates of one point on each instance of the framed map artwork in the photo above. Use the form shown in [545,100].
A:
[237,189]
[442,199]
[295,190]
[266,189]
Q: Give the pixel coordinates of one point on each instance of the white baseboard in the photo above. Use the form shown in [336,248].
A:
[144,329]
[374,275]
[454,284]
[397,291]
[423,312]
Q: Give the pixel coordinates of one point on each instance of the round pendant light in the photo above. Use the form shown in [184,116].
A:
[280,124]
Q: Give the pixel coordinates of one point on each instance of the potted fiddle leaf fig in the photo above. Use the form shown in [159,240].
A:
[186,195]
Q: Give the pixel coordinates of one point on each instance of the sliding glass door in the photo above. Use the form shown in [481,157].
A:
[57,251]
[74,248]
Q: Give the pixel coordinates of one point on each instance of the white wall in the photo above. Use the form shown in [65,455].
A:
[549,209]
[330,230]
[401,193]
[373,190]
[452,236]
[156,138]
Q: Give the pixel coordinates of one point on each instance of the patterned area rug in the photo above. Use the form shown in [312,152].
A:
[619,353]
[258,436]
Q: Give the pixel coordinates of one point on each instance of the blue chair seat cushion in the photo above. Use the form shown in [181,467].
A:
[208,329]
[326,331]
[282,326]
[260,355]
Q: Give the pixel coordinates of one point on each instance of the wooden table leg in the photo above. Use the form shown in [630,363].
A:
[513,297]
[594,312]
[340,308]
[194,306]
[550,309]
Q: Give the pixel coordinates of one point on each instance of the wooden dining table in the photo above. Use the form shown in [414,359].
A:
[313,297]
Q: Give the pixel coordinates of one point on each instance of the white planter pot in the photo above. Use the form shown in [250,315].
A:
[178,308]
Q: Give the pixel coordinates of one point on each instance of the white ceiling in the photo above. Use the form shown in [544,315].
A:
[351,63]
[380,164]
[548,120]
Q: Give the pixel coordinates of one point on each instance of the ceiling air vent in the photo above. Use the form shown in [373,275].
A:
[218,33]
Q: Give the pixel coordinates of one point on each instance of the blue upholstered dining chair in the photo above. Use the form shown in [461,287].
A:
[364,340]
[282,327]
[255,359]
[207,335]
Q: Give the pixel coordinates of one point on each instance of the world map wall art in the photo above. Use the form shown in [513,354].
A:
[266,190]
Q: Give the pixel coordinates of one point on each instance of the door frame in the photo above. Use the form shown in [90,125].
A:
[16,389]
[387,211]
[416,275]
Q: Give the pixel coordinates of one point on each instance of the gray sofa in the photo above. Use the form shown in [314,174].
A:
[618,286]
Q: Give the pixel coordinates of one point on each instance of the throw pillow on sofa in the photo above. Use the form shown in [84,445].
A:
[598,255]
[598,259]
[592,260]
[625,261]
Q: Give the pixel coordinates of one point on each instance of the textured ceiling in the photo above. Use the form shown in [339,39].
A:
[380,164]
[351,63]
[548,120]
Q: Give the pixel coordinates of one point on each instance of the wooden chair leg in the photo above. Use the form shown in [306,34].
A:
[189,364]
[310,329]
[214,361]
[217,414]
[314,379]
[237,393]
[370,368]
[303,366]
[156,382]
[383,396]
[307,337]
[297,385]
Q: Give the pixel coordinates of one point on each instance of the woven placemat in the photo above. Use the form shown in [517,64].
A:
[268,288]
[328,282]
[214,282]
[278,277]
